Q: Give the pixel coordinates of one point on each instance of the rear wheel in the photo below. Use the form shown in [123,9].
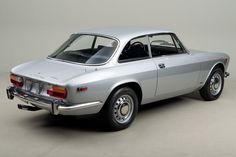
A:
[213,86]
[120,109]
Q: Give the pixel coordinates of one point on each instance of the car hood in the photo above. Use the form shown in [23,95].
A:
[50,70]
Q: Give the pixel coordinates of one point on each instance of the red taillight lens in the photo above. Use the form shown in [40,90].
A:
[16,80]
[57,91]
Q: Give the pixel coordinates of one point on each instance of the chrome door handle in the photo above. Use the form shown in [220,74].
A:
[162,65]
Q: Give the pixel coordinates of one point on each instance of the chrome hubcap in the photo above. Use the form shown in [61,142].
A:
[123,108]
[215,84]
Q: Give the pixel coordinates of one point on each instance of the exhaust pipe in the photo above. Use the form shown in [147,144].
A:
[28,108]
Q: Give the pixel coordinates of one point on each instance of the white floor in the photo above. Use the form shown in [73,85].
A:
[179,127]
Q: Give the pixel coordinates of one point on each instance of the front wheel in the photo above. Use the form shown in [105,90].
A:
[213,86]
[120,108]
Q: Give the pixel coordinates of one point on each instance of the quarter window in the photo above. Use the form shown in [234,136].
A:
[135,49]
[162,44]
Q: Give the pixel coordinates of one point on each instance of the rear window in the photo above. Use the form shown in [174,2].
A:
[87,49]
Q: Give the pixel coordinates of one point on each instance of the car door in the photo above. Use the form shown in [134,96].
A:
[177,71]
[135,63]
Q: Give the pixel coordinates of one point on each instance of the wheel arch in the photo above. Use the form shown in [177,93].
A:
[218,64]
[135,85]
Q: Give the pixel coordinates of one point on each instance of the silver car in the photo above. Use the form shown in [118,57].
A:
[112,71]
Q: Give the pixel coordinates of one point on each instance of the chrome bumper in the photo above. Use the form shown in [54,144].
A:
[55,106]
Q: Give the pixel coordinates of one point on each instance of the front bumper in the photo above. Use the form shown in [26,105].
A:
[55,106]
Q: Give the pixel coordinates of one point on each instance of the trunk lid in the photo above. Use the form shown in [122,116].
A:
[50,70]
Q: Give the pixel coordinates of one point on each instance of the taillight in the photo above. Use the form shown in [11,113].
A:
[16,80]
[57,91]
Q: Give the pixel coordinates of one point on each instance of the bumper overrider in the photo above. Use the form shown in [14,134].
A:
[55,106]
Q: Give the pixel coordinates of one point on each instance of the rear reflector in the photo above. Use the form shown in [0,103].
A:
[57,91]
[82,89]
[16,80]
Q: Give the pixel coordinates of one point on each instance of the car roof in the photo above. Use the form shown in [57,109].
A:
[124,32]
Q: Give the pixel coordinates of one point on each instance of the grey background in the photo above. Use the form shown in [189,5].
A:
[32,29]
[179,127]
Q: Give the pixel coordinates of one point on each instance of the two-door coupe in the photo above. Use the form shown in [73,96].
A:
[111,71]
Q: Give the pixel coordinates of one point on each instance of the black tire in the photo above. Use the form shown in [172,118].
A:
[108,111]
[205,91]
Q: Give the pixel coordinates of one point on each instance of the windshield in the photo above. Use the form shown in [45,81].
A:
[87,49]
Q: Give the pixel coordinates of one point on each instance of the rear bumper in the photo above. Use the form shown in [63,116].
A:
[55,106]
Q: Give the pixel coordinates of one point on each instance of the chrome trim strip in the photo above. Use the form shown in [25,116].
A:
[78,106]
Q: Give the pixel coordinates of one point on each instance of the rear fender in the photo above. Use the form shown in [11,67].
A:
[212,68]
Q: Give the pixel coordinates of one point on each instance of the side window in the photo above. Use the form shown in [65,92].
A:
[177,43]
[135,49]
[162,44]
